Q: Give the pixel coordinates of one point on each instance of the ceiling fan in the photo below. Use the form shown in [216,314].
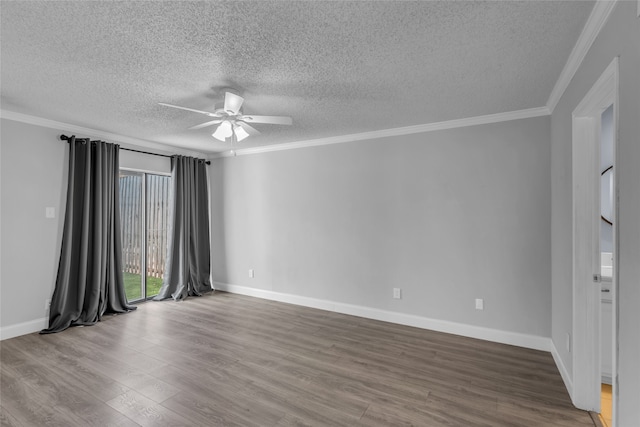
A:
[230,120]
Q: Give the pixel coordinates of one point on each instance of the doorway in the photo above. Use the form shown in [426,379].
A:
[592,339]
[144,218]
[607,263]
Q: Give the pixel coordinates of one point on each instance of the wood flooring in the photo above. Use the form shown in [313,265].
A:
[232,360]
[606,404]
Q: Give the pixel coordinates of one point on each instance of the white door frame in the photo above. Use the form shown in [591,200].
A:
[586,240]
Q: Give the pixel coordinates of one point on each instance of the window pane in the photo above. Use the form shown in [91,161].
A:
[131,231]
[157,230]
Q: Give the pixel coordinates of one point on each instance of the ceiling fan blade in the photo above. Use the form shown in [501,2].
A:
[272,120]
[232,103]
[190,109]
[205,124]
[249,129]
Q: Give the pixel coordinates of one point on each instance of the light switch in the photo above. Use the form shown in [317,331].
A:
[50,212]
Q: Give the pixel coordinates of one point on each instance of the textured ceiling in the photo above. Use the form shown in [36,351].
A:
[336,68]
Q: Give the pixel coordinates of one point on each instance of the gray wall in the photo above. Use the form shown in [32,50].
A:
[33,168]
[33,176]
[620,36]
[447,216]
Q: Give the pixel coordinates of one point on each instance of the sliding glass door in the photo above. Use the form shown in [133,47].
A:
[144,216]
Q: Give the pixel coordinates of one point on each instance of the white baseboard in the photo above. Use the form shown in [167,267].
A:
[534,342]
[564,373]
[23,328]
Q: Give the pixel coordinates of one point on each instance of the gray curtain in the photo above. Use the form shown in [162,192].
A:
[188,267]
[89,281]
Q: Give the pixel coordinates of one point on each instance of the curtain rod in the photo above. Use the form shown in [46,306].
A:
[67,138]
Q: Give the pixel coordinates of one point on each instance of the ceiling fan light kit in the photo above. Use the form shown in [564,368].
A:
[240,132]
[230,120]
[224,131]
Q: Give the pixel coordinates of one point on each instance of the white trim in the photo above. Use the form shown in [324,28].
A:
[603,92]
[112,137]
[534,342]
[564,372]
[23,328]
[384,133]
[598,17]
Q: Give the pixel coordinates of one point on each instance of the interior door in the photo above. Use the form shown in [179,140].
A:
[586,174]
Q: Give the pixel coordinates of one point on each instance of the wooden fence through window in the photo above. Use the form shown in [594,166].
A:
[157,218]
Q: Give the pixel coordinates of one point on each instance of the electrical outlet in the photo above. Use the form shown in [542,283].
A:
[397,293]
[479,304]
[251,273]
[47,304]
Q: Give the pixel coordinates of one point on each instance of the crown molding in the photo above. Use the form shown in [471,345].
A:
[407,130]
[598,17]
[114,137]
